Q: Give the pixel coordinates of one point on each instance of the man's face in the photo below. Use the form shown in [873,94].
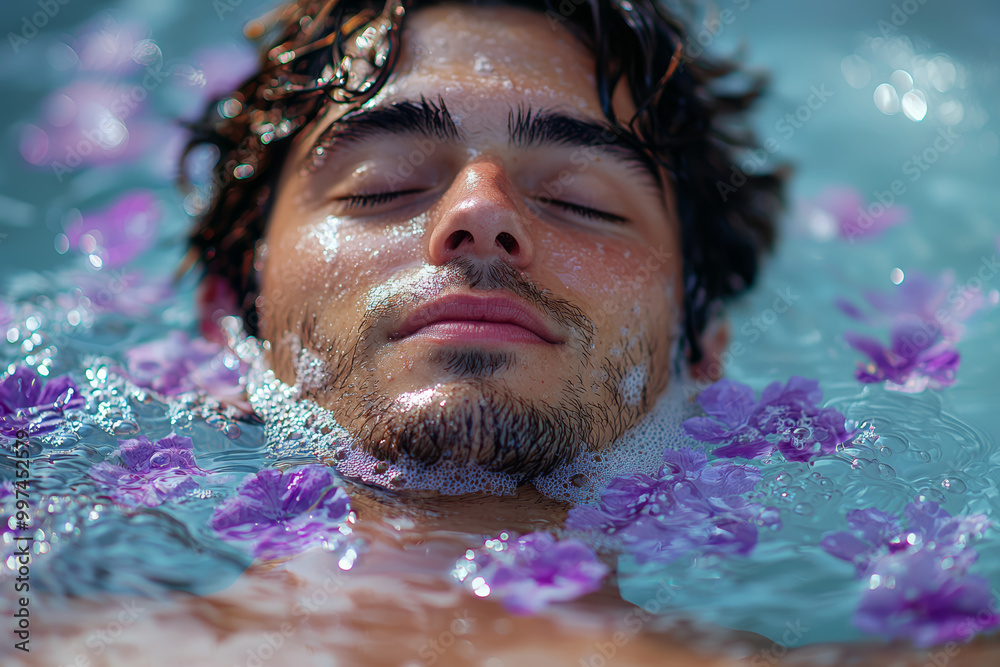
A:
[472,269]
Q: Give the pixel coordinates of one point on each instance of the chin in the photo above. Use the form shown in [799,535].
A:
[474,421]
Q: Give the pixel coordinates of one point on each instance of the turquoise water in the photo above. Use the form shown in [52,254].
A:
[940,444]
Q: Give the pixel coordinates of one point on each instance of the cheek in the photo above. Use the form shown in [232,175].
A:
[337,260]
[613,277]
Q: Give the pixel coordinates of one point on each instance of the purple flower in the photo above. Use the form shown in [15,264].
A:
[938,305]
[532,571]
[28,403]
[786,418]
[179,364]
[86,124]
[150,473]
[127,293]
[844,209]
[729,406]
[916,596]
[101,44]
[929,525]
[918,582]
[691,506]
[914,361]
[120,232]
[284,513]
[925,317]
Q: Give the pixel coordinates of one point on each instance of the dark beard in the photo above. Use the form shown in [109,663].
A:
[480,424]
[483,422]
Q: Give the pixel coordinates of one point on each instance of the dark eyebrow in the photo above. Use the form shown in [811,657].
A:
[526,130]
[545,128]
[426,118]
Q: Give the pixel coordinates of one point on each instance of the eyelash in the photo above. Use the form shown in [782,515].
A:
[364,201]
[591,213]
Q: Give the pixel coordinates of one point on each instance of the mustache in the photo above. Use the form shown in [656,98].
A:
[495,275]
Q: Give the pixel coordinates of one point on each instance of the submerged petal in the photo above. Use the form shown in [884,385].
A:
[728,401]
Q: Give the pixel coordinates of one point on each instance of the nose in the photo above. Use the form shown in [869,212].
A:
[481,217]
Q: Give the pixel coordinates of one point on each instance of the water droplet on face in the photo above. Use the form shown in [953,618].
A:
[483,64]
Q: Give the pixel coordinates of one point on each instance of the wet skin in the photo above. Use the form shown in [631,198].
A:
[465,282]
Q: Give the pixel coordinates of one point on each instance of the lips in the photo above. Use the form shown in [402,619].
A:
[466,317]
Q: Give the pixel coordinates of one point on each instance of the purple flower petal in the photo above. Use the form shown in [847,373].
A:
[786,418]
[152,473]
[871,347]
[854,218]
[850,310]
[178,364]
[918,586]
[136,453]
[940,364]
[706,429]
[622,499]
[684,461]
[119,232]
[796,390]
[876,526]
[744,449]
[693,506]
[20,389]
[728,480]
[911,597]
[533,571]
[846,546]
[728,401]
[284,513]
[924,316]
[26,402]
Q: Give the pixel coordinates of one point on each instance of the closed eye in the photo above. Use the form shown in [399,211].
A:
[374,199]
[590,213]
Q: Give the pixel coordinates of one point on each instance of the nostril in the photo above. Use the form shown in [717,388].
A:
[457,238]
[507,242]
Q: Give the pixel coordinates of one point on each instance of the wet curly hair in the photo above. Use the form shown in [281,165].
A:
[691,119]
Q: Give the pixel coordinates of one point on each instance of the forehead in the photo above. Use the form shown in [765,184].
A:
[485,61]
[506,52]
